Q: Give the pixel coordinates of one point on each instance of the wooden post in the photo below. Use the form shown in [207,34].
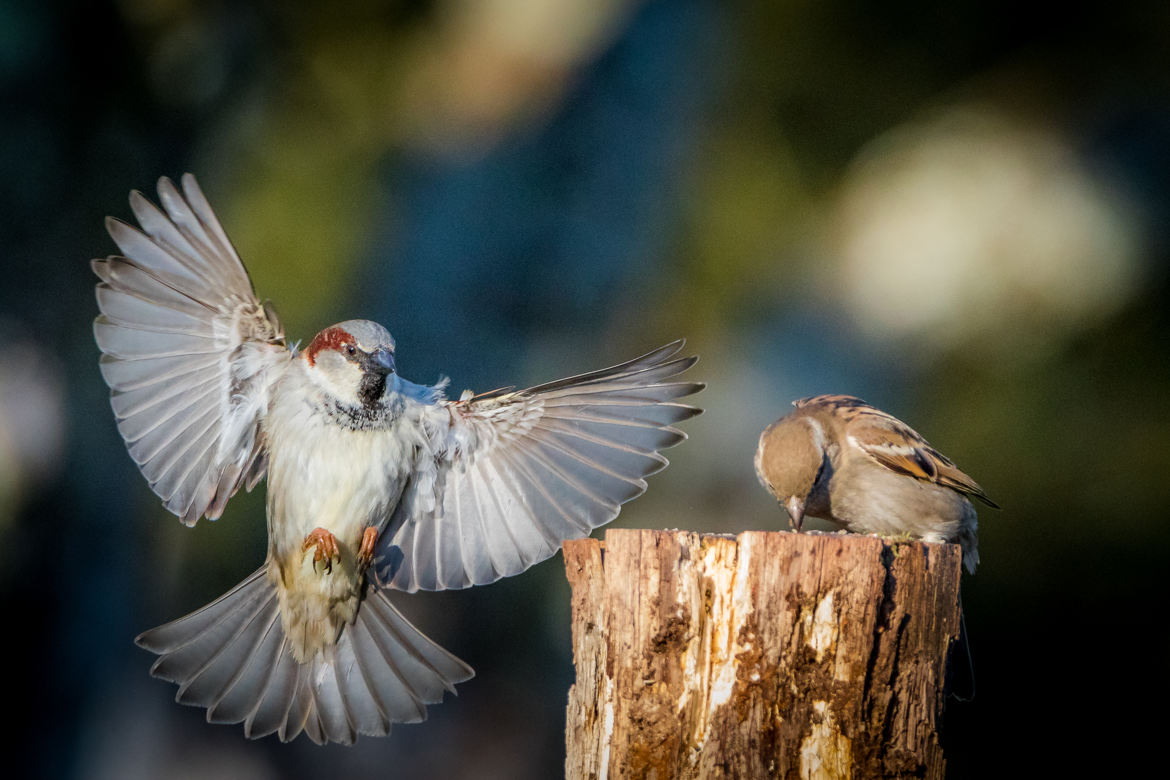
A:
[763,655]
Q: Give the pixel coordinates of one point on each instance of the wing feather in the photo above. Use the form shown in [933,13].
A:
[133,311]
[513,474]
[542,502]
[895,445]
[511,543]
[519,515]
[185,456]
[159,227]
[189,353]
[487,561]
[168,267]
[121,274]
[136,342]
[156,445]
[134,401]
[131,375]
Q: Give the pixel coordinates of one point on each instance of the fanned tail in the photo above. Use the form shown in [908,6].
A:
[232,658]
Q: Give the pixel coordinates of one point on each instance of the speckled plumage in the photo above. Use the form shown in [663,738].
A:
[839,459]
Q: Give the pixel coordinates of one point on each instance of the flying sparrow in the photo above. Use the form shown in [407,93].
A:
[840,459]
[374,482]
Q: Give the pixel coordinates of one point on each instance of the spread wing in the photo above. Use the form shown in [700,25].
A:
[896,445]
[189,352]
[514,474]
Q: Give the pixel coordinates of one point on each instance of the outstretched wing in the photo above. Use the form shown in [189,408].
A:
[189,352]
[896,445]
[515,474]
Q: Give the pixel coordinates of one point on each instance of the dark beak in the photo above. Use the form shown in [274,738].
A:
[795,509]
[382,361]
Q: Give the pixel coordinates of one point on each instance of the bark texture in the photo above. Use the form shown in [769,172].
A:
[769,654]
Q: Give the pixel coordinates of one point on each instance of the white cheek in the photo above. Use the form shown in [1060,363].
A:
[330,362]
[336,376]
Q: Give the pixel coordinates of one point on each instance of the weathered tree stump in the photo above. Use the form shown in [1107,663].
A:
[763,655]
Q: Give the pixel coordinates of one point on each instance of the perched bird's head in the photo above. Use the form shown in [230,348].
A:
[351,361]
[790,460]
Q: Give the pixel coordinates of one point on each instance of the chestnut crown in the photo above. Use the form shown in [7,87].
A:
[352,360]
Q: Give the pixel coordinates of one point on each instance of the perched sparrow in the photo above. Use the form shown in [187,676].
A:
[840,459]
[374,482]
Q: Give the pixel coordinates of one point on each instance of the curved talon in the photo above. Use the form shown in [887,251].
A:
[365,554]
[327,549]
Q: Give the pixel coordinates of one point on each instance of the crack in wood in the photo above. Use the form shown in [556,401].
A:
[767,654]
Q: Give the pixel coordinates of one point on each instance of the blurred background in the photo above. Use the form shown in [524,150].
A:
[957,212]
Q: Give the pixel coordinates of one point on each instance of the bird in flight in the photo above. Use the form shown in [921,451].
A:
[375,483]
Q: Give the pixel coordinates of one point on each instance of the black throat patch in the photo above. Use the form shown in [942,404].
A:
[372,387]
[366,417]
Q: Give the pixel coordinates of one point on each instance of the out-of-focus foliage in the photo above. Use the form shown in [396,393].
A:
[955,211]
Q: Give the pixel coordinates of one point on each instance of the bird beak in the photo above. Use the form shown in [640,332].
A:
[382,361]
[795,509]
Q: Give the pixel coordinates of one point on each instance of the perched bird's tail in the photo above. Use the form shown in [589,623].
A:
[233,658]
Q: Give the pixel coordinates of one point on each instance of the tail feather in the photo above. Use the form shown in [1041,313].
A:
[232,657]
[425,668]
[968,539]
[188,660]
[240,700]
[270,710]
[299,704]
[311,719]
[222,671]
[174,635]
[330,705]
[405,697]
[395,698]
[358,689]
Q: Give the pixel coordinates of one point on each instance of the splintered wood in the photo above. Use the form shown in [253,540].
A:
[763,655]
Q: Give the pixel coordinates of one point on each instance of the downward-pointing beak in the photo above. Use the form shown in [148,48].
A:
[382,360]
[795,509]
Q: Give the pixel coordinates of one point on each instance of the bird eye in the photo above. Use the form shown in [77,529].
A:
[350,350]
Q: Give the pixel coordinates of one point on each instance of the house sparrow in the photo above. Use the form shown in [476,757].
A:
[840,459]
[374,482]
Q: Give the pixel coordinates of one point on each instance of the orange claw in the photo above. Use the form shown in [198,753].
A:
[365,554]
[327,549]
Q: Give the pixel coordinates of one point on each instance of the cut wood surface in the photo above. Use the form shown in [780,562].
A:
[768,654]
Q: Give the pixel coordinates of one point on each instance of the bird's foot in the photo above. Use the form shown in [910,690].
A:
[365,554]
[327,549]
